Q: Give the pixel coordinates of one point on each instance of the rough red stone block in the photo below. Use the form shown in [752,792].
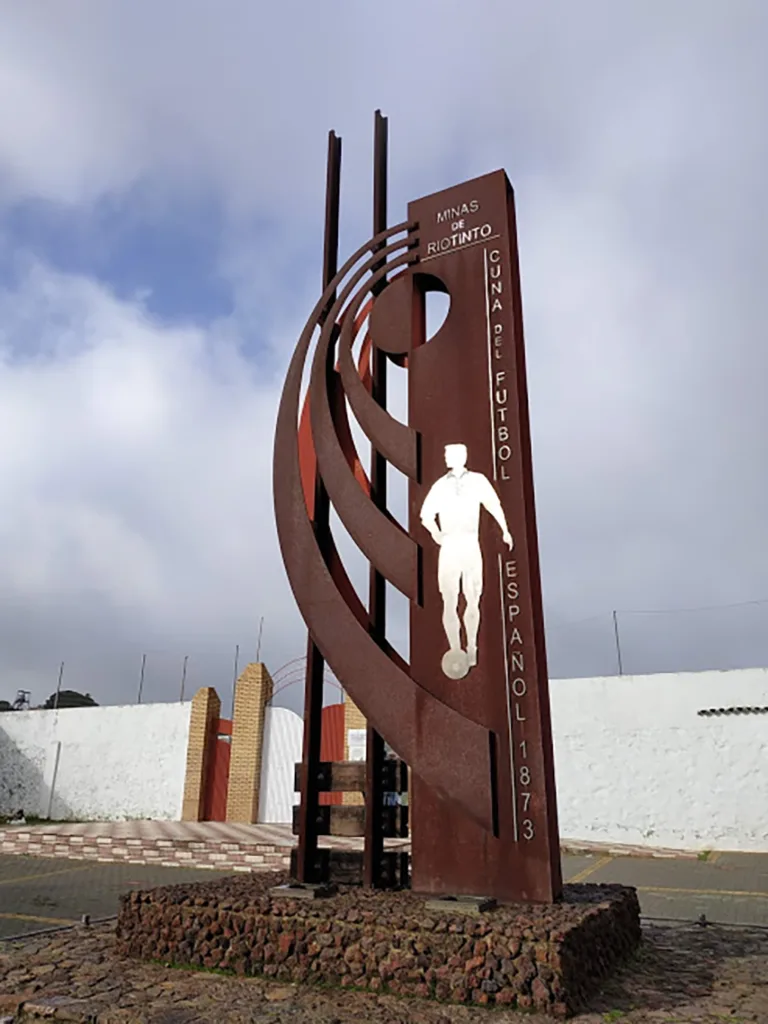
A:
[531,957]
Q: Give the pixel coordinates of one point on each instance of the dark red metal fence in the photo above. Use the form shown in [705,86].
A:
[215,806]
[332,745]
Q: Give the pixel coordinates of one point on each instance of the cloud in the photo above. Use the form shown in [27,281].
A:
[136,469]
[135,453]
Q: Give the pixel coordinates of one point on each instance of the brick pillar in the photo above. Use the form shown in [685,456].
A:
[253,690]
[353,719]
[206,710]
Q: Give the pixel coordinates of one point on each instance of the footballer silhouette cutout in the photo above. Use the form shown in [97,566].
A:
[451,514]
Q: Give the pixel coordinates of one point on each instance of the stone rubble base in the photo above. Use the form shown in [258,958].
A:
[531,957]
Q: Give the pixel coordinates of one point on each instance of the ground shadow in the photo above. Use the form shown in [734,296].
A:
[26,778]
[678,964]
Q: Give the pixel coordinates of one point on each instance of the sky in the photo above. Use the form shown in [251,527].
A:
[162,169]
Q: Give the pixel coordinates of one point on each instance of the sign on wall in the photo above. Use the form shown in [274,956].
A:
[356,744]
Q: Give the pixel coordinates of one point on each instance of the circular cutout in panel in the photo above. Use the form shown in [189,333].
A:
[437,306]
[392,318]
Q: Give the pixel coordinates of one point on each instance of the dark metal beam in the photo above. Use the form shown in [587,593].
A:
[374,797]
[306,859]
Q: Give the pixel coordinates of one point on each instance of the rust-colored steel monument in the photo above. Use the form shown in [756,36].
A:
[469,713]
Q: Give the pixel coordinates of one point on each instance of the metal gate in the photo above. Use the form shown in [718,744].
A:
[217,780]
[332,745]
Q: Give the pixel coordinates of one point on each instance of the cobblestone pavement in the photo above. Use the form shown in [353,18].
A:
[683,974]
[40,892]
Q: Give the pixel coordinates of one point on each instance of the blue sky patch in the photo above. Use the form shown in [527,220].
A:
[168,253]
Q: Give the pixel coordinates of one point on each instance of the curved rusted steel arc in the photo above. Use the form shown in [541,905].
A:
[326,299]
[381,539]
[340,416]
[338,311]
[396,441]
[307,459]
[343,433]
[364,362]
[289,666]
[344,584]
[352,324]
[423,730]
[344,319]
[322,306]
[308,471]
[295,670]
[329,304]
[379,250]
[299,679]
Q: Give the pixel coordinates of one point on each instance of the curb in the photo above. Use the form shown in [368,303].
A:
[576,848]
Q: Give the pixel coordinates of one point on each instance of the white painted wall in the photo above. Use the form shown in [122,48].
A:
[283,735]
[114,763]
[636,765]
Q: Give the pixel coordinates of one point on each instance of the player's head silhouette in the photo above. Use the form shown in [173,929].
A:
[456,456]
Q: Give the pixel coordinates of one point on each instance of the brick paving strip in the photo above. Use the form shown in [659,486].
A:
[683,974]
[168,843]
[204,844]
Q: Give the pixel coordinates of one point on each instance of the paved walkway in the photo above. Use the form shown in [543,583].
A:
[42,892]
[728,888]
[51,875]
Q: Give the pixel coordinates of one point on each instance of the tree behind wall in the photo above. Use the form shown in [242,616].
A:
[70,699]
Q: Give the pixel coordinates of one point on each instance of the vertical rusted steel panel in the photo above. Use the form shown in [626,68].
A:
[467,386]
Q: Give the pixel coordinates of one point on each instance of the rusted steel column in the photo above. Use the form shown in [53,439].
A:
[374,796]
[306,854]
